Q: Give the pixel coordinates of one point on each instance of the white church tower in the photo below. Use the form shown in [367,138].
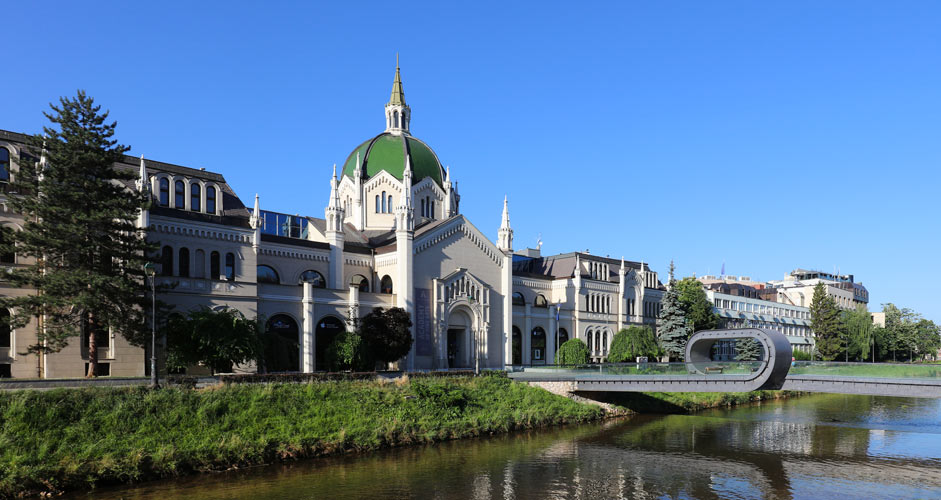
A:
[505,245]
[398,113]
[335,237]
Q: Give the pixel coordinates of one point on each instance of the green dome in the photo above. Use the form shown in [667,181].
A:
[387,152]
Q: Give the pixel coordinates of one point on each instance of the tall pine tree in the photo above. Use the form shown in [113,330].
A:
[81,230]
[673,331]
[827,324]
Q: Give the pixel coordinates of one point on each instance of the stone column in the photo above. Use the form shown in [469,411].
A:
[308,339]
[551,336]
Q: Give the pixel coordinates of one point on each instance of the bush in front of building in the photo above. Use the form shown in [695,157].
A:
[630,343]
[572,352]
[348,352]
[386,334]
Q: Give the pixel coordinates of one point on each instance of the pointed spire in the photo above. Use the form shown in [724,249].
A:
[357,173]
[398,95]
[334,194]
[447,174]
[505,223]
[256,212]
[255,220]
[407,180]
[505,234]
[142,181]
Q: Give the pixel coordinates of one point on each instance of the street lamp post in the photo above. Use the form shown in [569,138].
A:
[150,272]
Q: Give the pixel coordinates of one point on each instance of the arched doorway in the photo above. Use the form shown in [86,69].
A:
[327,330]
[281,345]
[538,346]
[460,328]
[517,346]
[563,336]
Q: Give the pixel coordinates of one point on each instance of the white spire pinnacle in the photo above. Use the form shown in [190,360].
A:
[334,194]
[407,182]
[505,223]
[356,173]
[505,234]
[142,182]
[447,175]
[255,219]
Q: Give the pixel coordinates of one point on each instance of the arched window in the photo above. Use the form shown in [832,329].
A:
[211,200]
[540,301]
[383,202]
[281,351]
[179,194]
[325,332]
[6,237]
[604,343]
[195,193]
[395,119]
[267,274]
[390,203]
[6,334]
[4,165]
[431,212]
[590,337]
[184,258]
[166,261]
[538,345]
[385,286]
[360,282]
[518,299]
[517,346]
[313,277]
[164,192]
[230,266]
[200,268]
[214,268]
[378,204]
[423,213]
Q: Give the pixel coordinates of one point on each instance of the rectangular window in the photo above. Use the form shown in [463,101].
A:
[230,266]
[6,370]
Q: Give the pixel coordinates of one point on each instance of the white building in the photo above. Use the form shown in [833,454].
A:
[391,235]
[743,311]
[797,288]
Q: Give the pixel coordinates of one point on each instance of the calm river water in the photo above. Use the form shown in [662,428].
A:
[820,446]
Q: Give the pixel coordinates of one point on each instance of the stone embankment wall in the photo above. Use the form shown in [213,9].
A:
[567,389]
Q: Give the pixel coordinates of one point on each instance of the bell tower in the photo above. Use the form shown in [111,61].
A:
[398,114]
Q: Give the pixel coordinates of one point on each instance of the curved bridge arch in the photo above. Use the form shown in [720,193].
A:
[773,369]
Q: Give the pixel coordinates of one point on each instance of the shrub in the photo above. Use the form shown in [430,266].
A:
[348,352]
[632,342]
[802,356]
[386,334]
[572,352]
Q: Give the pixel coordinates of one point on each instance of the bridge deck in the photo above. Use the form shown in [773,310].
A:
[878,379]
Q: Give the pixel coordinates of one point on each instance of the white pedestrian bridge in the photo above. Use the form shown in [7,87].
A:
[774,371]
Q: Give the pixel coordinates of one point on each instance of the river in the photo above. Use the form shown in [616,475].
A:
[817,446]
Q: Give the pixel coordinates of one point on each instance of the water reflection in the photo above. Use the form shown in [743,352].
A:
[822,446]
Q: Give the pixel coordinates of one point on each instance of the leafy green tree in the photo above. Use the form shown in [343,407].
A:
[632,342]
[215,339]
[857,326]
[572,352]
[81,230]
[349,352]
[747,350]
[696,305]
[826,324]
[386,333]
[928,336]
[673,331]
[884,343]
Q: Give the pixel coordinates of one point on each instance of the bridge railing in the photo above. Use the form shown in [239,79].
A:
[868,370]
[601,370]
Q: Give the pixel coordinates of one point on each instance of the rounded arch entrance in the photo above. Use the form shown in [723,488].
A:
[281,344]
[327,329]
[537,344]
[517,346]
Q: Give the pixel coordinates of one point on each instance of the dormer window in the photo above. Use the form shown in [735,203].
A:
[164,192]
[195,194]
[180,194]
[211,200]
[4,165]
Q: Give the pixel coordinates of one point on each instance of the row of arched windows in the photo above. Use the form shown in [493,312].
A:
[428,207]
[598,271]
[179,199]
[598,303]
[198,269]
[540,301]
[268,274]
[597,341]
[383,203]
[652,309]
[537,345]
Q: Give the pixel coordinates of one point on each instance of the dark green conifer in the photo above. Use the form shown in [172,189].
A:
[80,232]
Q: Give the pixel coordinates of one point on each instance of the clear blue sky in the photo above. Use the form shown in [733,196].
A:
[766,135]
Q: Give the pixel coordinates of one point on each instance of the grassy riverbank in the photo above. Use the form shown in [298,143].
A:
[70,439]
